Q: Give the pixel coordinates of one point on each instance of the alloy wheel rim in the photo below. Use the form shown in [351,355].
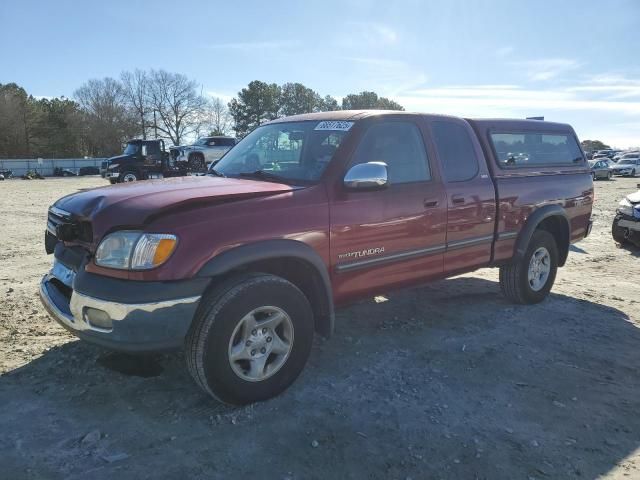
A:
[129,177]
[539,269]
[261,343]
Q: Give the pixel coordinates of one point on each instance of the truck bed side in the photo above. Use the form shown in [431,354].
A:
[524,189]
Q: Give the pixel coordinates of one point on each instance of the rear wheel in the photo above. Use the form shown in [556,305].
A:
[593,176]
[529,279]
[609,175]
[250,338]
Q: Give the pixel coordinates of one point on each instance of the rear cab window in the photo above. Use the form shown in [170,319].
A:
[535,149]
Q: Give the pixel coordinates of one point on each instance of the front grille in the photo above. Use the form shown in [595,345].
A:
[57,217]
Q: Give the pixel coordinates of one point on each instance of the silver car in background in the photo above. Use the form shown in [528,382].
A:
[626,166]
[600,169]
[204,151]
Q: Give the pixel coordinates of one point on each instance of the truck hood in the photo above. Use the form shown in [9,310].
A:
[135,203]
[120,158]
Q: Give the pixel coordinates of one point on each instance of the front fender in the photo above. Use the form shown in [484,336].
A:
[238,257]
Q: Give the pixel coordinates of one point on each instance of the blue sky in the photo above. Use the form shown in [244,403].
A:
[571,61]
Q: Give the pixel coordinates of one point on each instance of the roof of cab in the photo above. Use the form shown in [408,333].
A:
[515,124]
[484,123]
[343,115]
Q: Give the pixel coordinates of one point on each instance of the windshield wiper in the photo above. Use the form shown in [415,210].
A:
[213,171]
[263,174]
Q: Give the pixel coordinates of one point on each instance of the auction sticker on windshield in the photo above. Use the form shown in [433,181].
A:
[334,125]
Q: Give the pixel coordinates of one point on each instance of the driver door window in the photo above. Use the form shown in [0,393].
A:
[400,146]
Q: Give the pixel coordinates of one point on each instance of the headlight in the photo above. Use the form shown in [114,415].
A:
[625,207]
[132,250]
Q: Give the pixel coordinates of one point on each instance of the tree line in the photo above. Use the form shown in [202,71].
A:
[104,113]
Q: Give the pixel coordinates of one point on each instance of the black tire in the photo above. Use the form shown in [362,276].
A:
[633,172]
[196,162]
[128,176]
[593,176]
[207,345]
[619,234]
[113,181]
[609,175]
[514,281]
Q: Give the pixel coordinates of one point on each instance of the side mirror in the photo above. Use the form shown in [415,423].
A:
[363,176]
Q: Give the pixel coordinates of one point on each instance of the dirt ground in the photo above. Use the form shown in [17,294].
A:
[443,381]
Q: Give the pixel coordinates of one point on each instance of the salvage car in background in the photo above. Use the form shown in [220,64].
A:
[600,169]
[626,167]
[626,224]
[205,150]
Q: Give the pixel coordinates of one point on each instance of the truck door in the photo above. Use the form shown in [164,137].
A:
[394,235]
[471,207]
[152,154]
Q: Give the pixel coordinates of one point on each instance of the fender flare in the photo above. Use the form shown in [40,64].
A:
[532,223]
[238,257]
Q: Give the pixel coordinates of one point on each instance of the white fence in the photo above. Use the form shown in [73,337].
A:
[48,165]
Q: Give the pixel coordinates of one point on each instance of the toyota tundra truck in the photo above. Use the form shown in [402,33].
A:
[242,267]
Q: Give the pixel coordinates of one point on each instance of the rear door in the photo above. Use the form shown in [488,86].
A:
[471,206]
[395,235]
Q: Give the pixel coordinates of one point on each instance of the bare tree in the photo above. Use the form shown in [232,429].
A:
[219,118]
[174,98]
[135,87]
[109,122]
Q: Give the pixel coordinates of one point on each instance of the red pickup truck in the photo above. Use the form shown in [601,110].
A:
[242,266]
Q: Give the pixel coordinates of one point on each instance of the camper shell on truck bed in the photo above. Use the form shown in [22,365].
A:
[305,214]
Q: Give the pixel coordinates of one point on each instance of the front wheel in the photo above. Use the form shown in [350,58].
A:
[250,339]
[620,234]
[128,177]
[609,175]
[529,279]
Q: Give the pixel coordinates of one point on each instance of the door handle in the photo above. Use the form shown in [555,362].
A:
[457,199]
[431,203]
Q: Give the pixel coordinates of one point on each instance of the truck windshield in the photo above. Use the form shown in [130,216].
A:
[131,149]
[293,151]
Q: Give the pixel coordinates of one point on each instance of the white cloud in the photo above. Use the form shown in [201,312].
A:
[615,121]
[224,96]
[504,51]
[480,98]
[387,77]
[546,68]
[367,34]
[249,46]
[610,86]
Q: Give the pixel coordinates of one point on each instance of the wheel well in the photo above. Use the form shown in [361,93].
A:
[304,276]
[559,228]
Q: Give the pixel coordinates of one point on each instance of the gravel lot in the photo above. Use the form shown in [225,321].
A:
[442,381]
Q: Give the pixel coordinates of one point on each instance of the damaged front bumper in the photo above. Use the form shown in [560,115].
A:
[629,224]
[158,321]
